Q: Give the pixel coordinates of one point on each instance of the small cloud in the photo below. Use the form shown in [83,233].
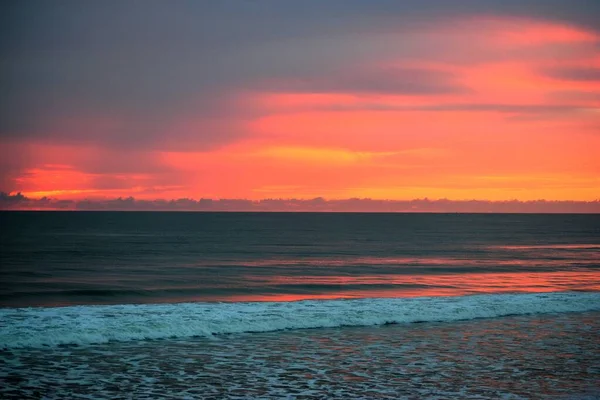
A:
[389,81]
[574,74]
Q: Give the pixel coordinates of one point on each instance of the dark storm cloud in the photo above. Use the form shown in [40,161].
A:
[147,64]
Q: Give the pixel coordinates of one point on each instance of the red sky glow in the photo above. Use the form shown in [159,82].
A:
[484,104]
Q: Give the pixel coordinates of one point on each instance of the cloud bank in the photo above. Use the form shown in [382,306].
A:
[19,202]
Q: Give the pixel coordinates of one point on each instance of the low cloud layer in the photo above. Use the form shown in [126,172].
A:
[20,202]
[575,74]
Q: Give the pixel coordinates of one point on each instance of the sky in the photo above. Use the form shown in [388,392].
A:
[395,100]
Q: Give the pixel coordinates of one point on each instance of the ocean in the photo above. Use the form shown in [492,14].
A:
[299,305]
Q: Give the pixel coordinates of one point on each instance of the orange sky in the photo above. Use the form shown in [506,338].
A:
[475,107]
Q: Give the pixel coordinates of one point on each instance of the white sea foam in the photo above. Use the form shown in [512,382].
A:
[81,325]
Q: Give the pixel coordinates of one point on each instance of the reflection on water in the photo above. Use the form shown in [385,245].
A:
[533,259]
[120,258]
[312,287]
[302,279]
[549,247]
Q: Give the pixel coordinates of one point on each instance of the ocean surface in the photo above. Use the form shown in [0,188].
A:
[299,305]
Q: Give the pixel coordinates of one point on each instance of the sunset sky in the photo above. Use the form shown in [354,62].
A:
[471,99]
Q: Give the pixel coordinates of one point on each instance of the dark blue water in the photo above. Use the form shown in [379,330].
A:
[64,258]
[85,258]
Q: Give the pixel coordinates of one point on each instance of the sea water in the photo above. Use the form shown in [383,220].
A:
[243,305]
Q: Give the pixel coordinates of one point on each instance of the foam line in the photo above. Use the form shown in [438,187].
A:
[82,325]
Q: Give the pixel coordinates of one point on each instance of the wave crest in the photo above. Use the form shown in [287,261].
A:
[82,325]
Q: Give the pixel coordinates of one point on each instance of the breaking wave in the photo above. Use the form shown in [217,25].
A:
[83,325]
